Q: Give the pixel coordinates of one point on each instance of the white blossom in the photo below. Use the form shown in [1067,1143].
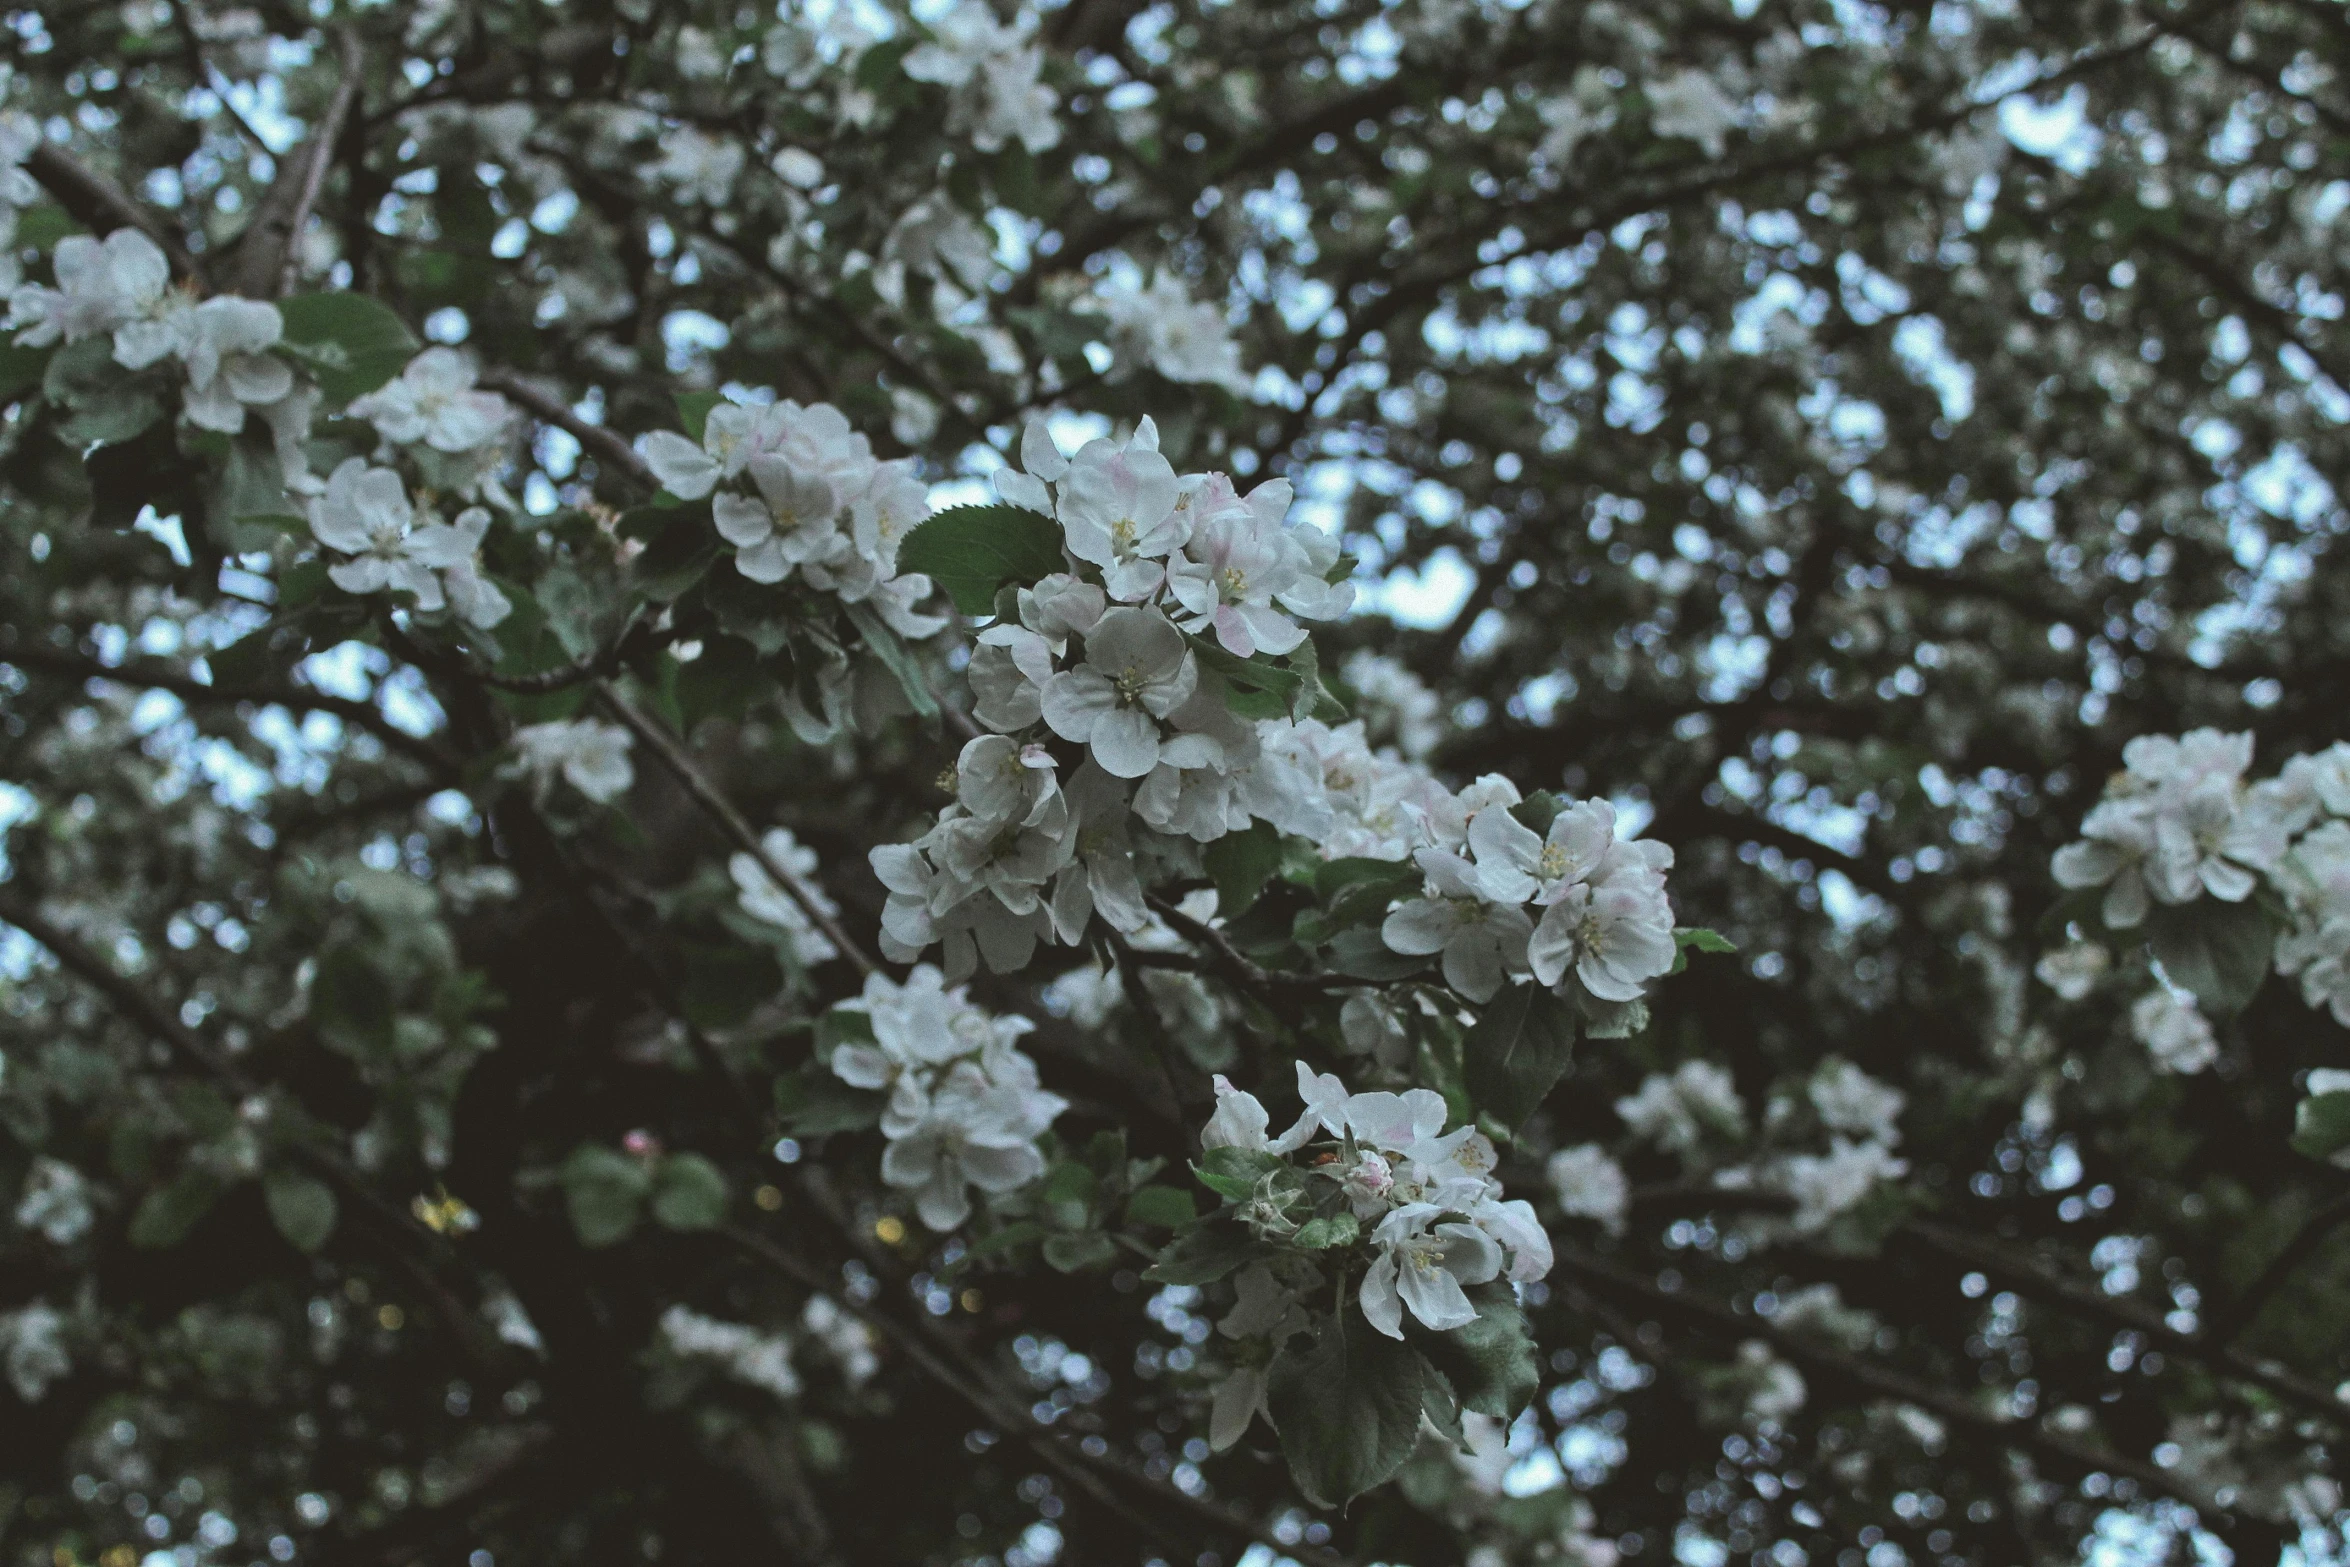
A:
[1483,941]
[1691,104]
[760,1360]
[702,167]
[1118,505]
[965,1105]
[1697,1103]
[1849,1100]
[590,754]
[1181,338]
[32,1348]
[56,1202]
[992,71]
[101,285]
[1136,671]
[1590,1185]
[2074,969]
[434,401]
[2174,1030]
[1828,1185]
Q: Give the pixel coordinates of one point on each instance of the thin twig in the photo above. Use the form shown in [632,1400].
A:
[1237,965]
[319,156]
[132,1001]
[705,794]
[101,206]
[609,445]
[2239,1314]
[152,675]
[2210,1348]
[2002,1429]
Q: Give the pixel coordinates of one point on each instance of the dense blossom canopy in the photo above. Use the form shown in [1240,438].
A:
[1426,781]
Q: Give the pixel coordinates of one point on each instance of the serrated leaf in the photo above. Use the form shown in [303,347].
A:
[1347,1404]
[1205,1253]
[1234,1172]
[1490,1363]
[971,551]
[1240,863]
[896,657]
[301,1206]
[1517,1051]
[1324,1234]
[1254,688]
[689,1193]
[350,343]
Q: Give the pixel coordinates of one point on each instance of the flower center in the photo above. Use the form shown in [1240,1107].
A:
[1235,582]
[1122,535]
[1552,862]
[1130,682]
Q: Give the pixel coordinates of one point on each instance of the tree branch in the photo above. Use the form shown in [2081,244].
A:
[705,794]
[153,675]
[101,206]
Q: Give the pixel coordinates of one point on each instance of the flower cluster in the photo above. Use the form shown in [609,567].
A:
[2181,821]
[993,71]
[1426,1198]
[365,513]
[1164,327]
[1604,916]
[1696,1114]
[452,427]
[965,1106]
[1112,659]
[122,286]
[817,502]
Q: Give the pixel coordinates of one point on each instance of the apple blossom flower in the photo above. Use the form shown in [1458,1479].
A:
[1590,1185]
[1118,510]
[591,755]
[1422,1263]
[1483,941]
[434,401]
[768,903]
[2174,1030]
[1136,672]
[102,285]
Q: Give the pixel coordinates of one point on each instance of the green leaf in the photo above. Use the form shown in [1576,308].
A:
[350,343]
[1205,1253]
[2220,951]
[693,412]
[1234,1172]
[1325,1234]
[301,1206]
[1360,954]
[1167,1207]
[1253,687]
[21,369]
[2321,1125]
[1240,863]
[1068,1193]
[676,556]
[605,1191]
[971,551]
[1347,1405]
[1076,1253]
[812,1102]
[167,1213]
[895,656]
[1698,939]
[1490,1363]
[1537,811]
[689,1193]
[1517,1051]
